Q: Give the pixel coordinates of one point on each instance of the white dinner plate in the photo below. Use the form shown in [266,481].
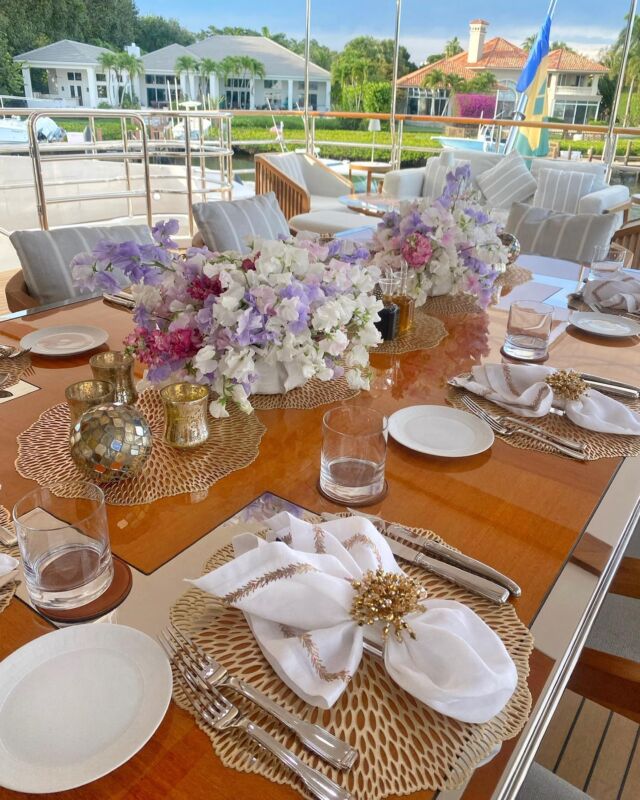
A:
[609,325]
[440,431]
[64,340]
[77,703]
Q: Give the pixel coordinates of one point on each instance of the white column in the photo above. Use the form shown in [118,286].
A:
[184,88]
[93,87]
[328,95]
[214,89]
[26,79]
[290,94]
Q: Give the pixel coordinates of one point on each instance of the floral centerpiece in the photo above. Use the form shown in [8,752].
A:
[293,310]
[450,245]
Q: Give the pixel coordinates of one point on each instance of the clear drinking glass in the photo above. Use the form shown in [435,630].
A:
[354,449]
[606,262]
[528,330]
[64,543]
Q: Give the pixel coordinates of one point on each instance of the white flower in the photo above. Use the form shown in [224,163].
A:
[206,360]
[148,297]
[217,409]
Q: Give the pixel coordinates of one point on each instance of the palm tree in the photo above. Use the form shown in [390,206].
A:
[133,67]
[434,81]
[188,65]
[528,42]
[452,47]
[206,68]
[250,69]
[108,63]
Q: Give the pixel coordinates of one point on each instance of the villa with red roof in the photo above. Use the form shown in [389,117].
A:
[572,83]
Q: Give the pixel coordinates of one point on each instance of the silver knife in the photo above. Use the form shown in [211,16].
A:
[474,583]
[439,551]
[611,387]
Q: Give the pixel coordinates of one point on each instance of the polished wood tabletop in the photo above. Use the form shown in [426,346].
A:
[522,511]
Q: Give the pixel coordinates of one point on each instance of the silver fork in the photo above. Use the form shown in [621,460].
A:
[221,715]
[317,739]
[503,430]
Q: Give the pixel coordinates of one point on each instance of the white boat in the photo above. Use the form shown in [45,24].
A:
[13,130]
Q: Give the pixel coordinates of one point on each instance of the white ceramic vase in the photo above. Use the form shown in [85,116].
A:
[277,377]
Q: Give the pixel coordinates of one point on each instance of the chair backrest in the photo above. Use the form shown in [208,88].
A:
[291,164]
[45,256]
[628,237]
[596,168]
[227,225]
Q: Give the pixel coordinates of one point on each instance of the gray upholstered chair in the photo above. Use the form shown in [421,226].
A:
[45,257]
[541,784]
[226,225]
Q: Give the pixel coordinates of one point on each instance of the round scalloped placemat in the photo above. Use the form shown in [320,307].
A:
[16,369]
[311,394]
[404,746]
[425,333]
[8,590]
[43,455]
[513,276]
[597,445]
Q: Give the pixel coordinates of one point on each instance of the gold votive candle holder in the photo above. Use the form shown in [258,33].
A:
[83,395]
[117,368]
[185,411]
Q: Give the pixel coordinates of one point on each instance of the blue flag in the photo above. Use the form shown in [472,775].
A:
[539,50]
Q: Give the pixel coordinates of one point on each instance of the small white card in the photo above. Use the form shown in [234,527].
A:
[19,390]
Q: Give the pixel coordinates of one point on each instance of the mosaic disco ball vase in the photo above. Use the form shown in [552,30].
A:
[110,442]
[512,245]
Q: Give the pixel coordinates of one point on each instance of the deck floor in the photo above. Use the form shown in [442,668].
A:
[593,749]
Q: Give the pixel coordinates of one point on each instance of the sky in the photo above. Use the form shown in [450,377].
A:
[586,25]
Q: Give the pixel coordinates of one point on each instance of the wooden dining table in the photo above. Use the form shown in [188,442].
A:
[535,516]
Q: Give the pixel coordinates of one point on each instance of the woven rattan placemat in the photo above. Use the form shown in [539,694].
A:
[43,455]
[404,746]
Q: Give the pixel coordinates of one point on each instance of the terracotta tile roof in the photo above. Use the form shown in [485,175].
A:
[478,22]
[498,53]
[566,61]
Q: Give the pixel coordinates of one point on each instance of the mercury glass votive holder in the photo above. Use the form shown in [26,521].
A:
[117,368]
[185,410]
[83,395]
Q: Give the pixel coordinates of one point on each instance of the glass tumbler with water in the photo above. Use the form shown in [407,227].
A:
[354,449]
[528,330]
[64,543]
[606,262]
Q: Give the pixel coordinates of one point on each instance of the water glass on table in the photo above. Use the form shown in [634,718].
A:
[64,544]
[528,330]
[354,449]
[606,262]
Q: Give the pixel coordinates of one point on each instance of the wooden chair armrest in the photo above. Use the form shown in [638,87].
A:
[292,198]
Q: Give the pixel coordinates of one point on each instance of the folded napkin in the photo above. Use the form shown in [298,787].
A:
[297,594]
[521,389]
[620,292]
[8,566]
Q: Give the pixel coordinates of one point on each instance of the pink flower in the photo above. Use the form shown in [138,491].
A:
[202,286]
[416,250]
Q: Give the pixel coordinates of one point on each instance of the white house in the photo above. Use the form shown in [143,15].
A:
[75,75]
[572,83]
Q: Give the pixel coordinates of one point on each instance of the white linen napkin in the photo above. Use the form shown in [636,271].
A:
[620,292]
[296,593]
[521,389]
[8,566]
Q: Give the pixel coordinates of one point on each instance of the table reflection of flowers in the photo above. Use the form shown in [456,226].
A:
[451,245]
[295,308]
[465,346]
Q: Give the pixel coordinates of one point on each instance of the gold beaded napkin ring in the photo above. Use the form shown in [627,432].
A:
[386,597]
[567,384]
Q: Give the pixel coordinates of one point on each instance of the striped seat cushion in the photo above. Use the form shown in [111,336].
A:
[45,255]
[508,182]
[292,164]
[435,176]
[562,190]
[230,225]
[571,237]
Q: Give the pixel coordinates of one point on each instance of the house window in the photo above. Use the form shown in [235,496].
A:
[101,77]
[102,91]
[571,79]
[237,93]
[575,113]
[74,76]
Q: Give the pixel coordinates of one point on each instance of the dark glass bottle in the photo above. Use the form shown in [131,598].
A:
[388,322]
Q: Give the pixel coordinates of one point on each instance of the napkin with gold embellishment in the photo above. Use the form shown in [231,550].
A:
[531,390]
[620,292]
[305,591]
